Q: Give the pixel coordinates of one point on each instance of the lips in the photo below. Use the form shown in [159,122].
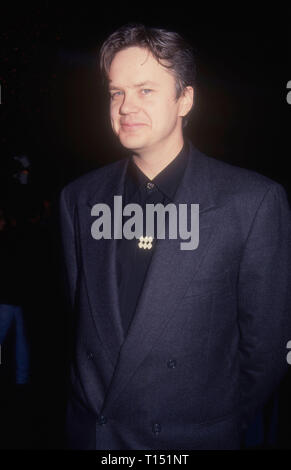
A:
[132,124]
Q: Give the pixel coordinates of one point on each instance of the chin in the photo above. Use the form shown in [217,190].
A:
[132,141]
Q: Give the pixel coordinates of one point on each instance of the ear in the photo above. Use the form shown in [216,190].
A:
[186,101]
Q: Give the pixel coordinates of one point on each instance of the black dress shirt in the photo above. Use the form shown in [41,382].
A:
[132,261]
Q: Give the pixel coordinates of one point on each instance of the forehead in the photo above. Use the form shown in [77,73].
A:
[136,64]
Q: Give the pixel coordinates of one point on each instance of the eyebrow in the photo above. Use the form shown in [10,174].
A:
[136,85]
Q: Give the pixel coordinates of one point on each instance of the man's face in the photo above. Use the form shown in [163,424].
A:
[144,111]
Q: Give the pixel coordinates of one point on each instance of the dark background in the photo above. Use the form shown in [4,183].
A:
[53,111]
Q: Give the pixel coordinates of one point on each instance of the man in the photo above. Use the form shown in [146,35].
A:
[173,348]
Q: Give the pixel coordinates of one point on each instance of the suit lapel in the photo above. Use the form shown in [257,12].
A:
[168,276]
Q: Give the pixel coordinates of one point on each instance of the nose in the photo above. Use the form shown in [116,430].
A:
[128,104]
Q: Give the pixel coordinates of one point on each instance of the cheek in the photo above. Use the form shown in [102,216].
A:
[154,110]
[164,114]
[114,115]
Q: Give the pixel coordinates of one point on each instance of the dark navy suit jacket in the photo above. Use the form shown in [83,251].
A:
[207,345]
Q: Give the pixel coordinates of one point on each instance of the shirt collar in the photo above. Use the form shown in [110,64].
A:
[166,181]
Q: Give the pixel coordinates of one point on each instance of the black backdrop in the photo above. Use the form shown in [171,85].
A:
[52,110]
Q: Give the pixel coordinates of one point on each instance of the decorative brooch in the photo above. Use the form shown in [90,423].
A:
[145,243]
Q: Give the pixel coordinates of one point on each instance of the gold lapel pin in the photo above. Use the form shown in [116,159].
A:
[145,242]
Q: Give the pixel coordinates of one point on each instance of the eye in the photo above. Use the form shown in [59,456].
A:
[146,91]
[114,95]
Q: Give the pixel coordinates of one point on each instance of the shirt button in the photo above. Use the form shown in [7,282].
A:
[89,355]
[102,420]
[150,185]
[171,363]
[156,428]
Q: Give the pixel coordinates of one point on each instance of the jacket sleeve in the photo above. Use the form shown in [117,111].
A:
[264,302]
[69,271]
[68,249]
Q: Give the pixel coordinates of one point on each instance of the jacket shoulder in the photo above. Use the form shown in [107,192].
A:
[228,180]
[86,185]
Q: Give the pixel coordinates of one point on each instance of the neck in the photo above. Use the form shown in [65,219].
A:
[152,161]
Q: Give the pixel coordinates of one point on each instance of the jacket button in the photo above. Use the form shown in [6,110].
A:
[171,363]
[89,355]
[150,185]
[102,420]
[156,428]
